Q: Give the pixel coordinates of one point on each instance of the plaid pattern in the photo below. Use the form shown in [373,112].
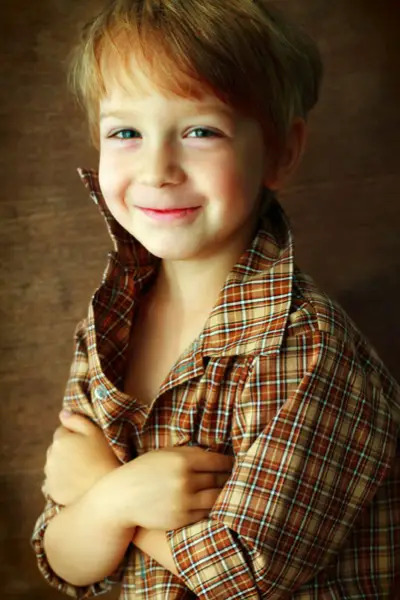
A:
[281,378]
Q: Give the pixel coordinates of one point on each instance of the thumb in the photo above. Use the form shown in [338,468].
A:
[76,423]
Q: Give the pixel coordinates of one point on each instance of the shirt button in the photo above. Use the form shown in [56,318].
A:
[101,392]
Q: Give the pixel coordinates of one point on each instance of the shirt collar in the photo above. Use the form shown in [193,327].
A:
[131,254]
[252,310]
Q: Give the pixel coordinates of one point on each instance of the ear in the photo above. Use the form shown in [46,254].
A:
[291,156]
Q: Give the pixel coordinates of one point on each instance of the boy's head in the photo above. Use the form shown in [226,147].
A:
[148,71]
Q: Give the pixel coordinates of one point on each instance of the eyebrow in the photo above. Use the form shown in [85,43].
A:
[198,110]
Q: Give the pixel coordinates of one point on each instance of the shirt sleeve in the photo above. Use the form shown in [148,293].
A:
[76,399]
[317,439]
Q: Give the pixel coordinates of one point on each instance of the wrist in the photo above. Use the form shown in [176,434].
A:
[154,543]
[113,498]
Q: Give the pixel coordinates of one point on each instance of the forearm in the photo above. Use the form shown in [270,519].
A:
[82,544]
[155,544]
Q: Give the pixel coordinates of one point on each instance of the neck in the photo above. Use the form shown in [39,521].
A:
[193,286]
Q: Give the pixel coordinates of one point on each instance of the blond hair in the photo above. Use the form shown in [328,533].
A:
[245,52]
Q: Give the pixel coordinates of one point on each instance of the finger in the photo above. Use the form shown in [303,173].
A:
[205,499]
[211,461]
[77,423]
[205,481]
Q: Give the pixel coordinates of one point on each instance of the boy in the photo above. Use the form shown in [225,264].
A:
[234,434]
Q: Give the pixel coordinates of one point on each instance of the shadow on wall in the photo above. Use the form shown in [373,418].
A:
[384,17]
[375,304]
[11,514]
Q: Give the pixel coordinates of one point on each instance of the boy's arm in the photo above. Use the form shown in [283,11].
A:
[76,399]
[310,464]
[93,541]
[161,489]
[51,512]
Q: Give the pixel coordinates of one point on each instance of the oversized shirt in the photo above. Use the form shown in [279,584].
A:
[280,378]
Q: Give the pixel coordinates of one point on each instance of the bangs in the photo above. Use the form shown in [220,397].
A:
[121,53]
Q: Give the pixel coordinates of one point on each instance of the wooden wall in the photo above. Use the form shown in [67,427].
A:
[344,203]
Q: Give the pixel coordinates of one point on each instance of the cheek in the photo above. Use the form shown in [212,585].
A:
[235,182]
[252,170]
[224,178]
[113,182]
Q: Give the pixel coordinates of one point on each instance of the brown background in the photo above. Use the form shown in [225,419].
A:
[344,205]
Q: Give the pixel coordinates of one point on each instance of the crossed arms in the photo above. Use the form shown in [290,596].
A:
[108,505]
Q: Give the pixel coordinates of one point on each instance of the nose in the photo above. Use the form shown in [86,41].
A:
[160,166]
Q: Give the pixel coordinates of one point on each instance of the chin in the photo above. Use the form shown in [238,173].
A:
[171,250]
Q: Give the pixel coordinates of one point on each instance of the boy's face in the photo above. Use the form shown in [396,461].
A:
[182,176]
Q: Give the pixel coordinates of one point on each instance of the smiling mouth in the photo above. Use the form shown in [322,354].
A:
[168,210]
[170,213]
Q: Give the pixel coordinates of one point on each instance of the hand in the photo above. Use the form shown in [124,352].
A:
[167,489]
[78,457]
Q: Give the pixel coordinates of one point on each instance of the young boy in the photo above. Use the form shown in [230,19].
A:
[227,432]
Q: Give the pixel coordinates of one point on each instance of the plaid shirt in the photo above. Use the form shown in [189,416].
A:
[281,378]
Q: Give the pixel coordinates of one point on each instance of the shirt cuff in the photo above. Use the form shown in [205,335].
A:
[211,562]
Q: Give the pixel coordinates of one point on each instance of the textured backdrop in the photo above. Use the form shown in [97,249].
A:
[344,204]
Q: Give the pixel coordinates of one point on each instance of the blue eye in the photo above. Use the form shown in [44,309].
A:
[125,134]
[132,134]
[205,133]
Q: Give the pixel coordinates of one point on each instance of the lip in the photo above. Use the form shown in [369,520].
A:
[172,214]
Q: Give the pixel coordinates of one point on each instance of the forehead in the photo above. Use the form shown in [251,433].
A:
[120,102]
